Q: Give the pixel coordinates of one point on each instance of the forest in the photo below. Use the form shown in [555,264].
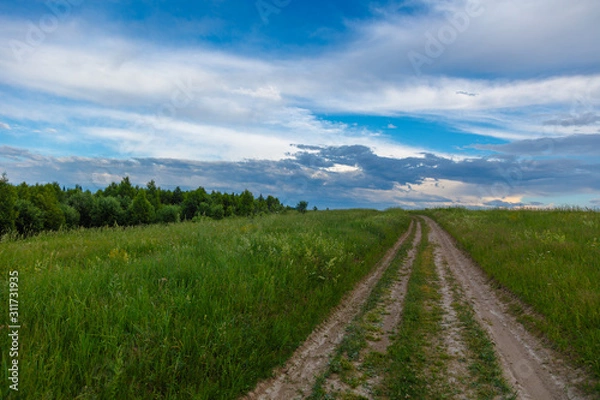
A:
[30,209]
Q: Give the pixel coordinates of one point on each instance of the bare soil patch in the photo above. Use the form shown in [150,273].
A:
[296,378]
[382,323]
[534,371]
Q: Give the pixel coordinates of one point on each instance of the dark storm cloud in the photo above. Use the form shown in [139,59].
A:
[588,118]
[342,176]
[573,145]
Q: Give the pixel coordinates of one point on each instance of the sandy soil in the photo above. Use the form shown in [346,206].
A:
[297,377]
[389,314]
[534,371]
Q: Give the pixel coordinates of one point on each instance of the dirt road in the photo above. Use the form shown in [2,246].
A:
[530,371]
[534,371]
[296,378]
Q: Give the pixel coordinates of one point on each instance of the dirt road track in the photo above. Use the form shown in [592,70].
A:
[298,376]
[533,371]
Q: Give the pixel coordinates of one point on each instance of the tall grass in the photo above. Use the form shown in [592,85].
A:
[200,310]
[550,259]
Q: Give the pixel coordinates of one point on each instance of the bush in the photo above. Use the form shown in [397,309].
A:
[83,203]
[71,216]
[107,212]
[8,198]
[167,214]
[302,206]
[217,211]
[141,210]
[30,219]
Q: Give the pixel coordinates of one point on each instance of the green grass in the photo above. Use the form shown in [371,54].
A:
[417,358]
[484,367]
[193,310]
[355,338]
[416,369]
[550,260]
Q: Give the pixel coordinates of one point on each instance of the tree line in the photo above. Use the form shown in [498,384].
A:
[30,209]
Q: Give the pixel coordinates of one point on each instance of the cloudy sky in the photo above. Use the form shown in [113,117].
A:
[345,103]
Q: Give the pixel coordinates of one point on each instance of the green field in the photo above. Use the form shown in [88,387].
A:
[550,260]
[206,309]
[202,309]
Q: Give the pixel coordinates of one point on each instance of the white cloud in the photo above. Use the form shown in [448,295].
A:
[504,38]
[4,125]
[199,102]
[340,168]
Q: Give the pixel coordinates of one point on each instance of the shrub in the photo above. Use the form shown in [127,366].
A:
[107,212]
[30,219]
[71,216]
[168,214]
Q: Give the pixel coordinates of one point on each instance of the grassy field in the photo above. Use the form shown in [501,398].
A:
[550,260]
[198,310]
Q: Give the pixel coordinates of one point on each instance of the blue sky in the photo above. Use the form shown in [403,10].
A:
[415,103]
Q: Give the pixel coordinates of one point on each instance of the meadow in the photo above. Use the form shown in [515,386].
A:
[550,259]
[191,310]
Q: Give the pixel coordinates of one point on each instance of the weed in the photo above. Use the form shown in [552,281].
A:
[200,310]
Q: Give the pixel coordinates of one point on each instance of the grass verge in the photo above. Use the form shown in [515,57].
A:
[346,357]
[550,259]
[200,310]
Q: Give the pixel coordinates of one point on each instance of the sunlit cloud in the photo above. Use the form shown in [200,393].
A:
[89,88]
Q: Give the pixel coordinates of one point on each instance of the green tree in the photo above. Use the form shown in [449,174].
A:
[203,210]
[83,203]
[166,197]
[302,206]
[261,205]
[107,212]
[217,211]
[191,204]
[23,191]
[71,216]
[30,219]
[126,189]
[47,201]
[8,210]
[112,190]
[246,203]
[177,196]
[229,204]
[168,213]
[141,210]
[273,204]
[153,194]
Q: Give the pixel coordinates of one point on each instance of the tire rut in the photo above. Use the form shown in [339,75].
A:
[387,316]
[534,372]
[296,378]
[454,342]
